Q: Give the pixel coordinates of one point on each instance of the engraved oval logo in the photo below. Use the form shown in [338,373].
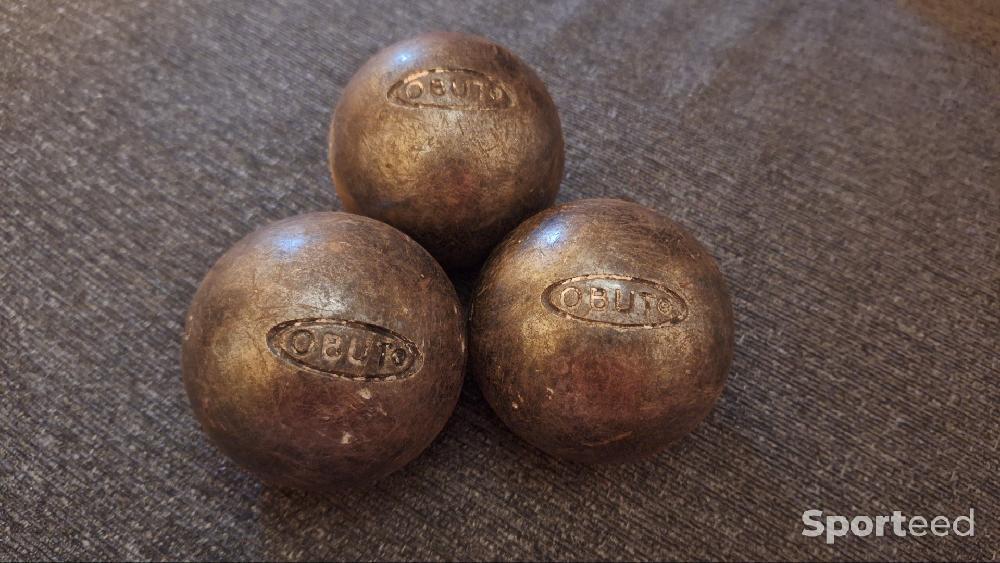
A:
[345,349]
[444,88]
[622,301]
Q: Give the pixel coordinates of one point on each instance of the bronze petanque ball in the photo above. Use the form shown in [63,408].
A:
[324,351]
[601,331]
[450,138]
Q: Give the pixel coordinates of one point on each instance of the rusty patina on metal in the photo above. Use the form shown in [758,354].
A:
[450,138]
[601,331]
[324,351]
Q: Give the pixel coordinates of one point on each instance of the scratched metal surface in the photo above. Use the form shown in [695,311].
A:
[839,160]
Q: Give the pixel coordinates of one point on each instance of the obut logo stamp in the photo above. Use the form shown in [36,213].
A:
[345,349]
[622,301]
[445,88]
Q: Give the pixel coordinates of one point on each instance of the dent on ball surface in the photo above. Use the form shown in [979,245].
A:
[449,137]
[601,331]
[324,351]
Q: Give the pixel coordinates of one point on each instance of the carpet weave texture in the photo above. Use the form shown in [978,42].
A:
[840,159]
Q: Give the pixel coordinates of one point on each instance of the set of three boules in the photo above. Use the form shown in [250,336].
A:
[327,350]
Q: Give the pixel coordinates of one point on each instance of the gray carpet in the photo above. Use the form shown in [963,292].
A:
[840,159]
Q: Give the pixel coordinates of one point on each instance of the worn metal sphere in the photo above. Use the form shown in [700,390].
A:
[601,331]
[450,138]
[324,351]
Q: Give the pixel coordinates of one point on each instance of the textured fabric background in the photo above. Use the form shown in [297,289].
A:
[839,158]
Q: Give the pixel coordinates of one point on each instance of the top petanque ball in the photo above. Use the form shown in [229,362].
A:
[450,138]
